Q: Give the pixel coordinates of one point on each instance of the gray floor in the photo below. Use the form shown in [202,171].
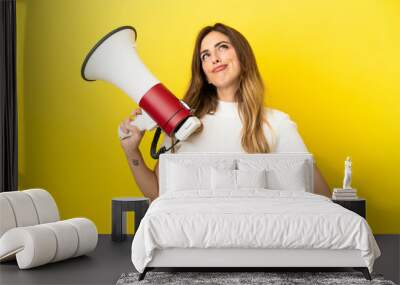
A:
[110,260]
[102,266]
[389,262]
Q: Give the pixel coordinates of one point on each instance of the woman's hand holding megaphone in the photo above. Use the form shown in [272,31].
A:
[130,143]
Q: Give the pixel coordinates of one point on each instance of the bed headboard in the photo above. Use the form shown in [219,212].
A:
[282,163]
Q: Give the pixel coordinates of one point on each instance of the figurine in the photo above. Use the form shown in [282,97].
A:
[347,174]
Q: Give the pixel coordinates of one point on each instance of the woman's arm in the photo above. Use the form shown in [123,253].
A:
[146,179]
[320,185]
[289,140]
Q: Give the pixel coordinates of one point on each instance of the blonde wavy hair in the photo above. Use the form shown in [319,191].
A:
[202,96]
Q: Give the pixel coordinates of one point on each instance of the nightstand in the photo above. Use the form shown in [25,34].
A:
[356,205]
[120,206]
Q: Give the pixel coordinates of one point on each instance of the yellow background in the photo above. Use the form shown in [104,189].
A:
[334,66]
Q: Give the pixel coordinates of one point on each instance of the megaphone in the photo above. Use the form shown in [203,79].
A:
[114,59]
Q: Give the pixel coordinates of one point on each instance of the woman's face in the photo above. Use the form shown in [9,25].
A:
[219,60]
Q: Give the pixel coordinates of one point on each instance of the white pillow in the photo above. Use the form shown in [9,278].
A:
[229,179]
[223,179]
[188,175]
[293,179]
[181,177]
[251,178]
[280,174]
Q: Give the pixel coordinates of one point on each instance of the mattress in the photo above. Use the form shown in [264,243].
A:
[250,219]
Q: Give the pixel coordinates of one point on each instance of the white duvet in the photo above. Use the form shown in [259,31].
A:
[253,218]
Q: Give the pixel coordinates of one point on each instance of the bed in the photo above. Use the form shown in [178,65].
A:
[247,210]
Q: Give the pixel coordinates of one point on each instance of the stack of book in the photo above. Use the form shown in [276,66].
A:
[344,194]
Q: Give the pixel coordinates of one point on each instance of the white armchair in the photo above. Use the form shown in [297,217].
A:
[31,230]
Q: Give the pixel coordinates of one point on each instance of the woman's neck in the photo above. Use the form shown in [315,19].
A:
[227,93]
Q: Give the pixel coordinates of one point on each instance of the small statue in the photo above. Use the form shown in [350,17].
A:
[347,174]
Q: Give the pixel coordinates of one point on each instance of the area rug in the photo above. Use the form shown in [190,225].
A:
[243,278]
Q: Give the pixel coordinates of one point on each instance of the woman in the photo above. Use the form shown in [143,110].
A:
[226,92]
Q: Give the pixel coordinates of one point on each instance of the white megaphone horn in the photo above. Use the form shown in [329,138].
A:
[114,59]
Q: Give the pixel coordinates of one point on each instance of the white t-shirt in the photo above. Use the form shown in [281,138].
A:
[222,132]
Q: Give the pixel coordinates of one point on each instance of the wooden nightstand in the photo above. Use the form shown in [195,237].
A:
[356,205]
